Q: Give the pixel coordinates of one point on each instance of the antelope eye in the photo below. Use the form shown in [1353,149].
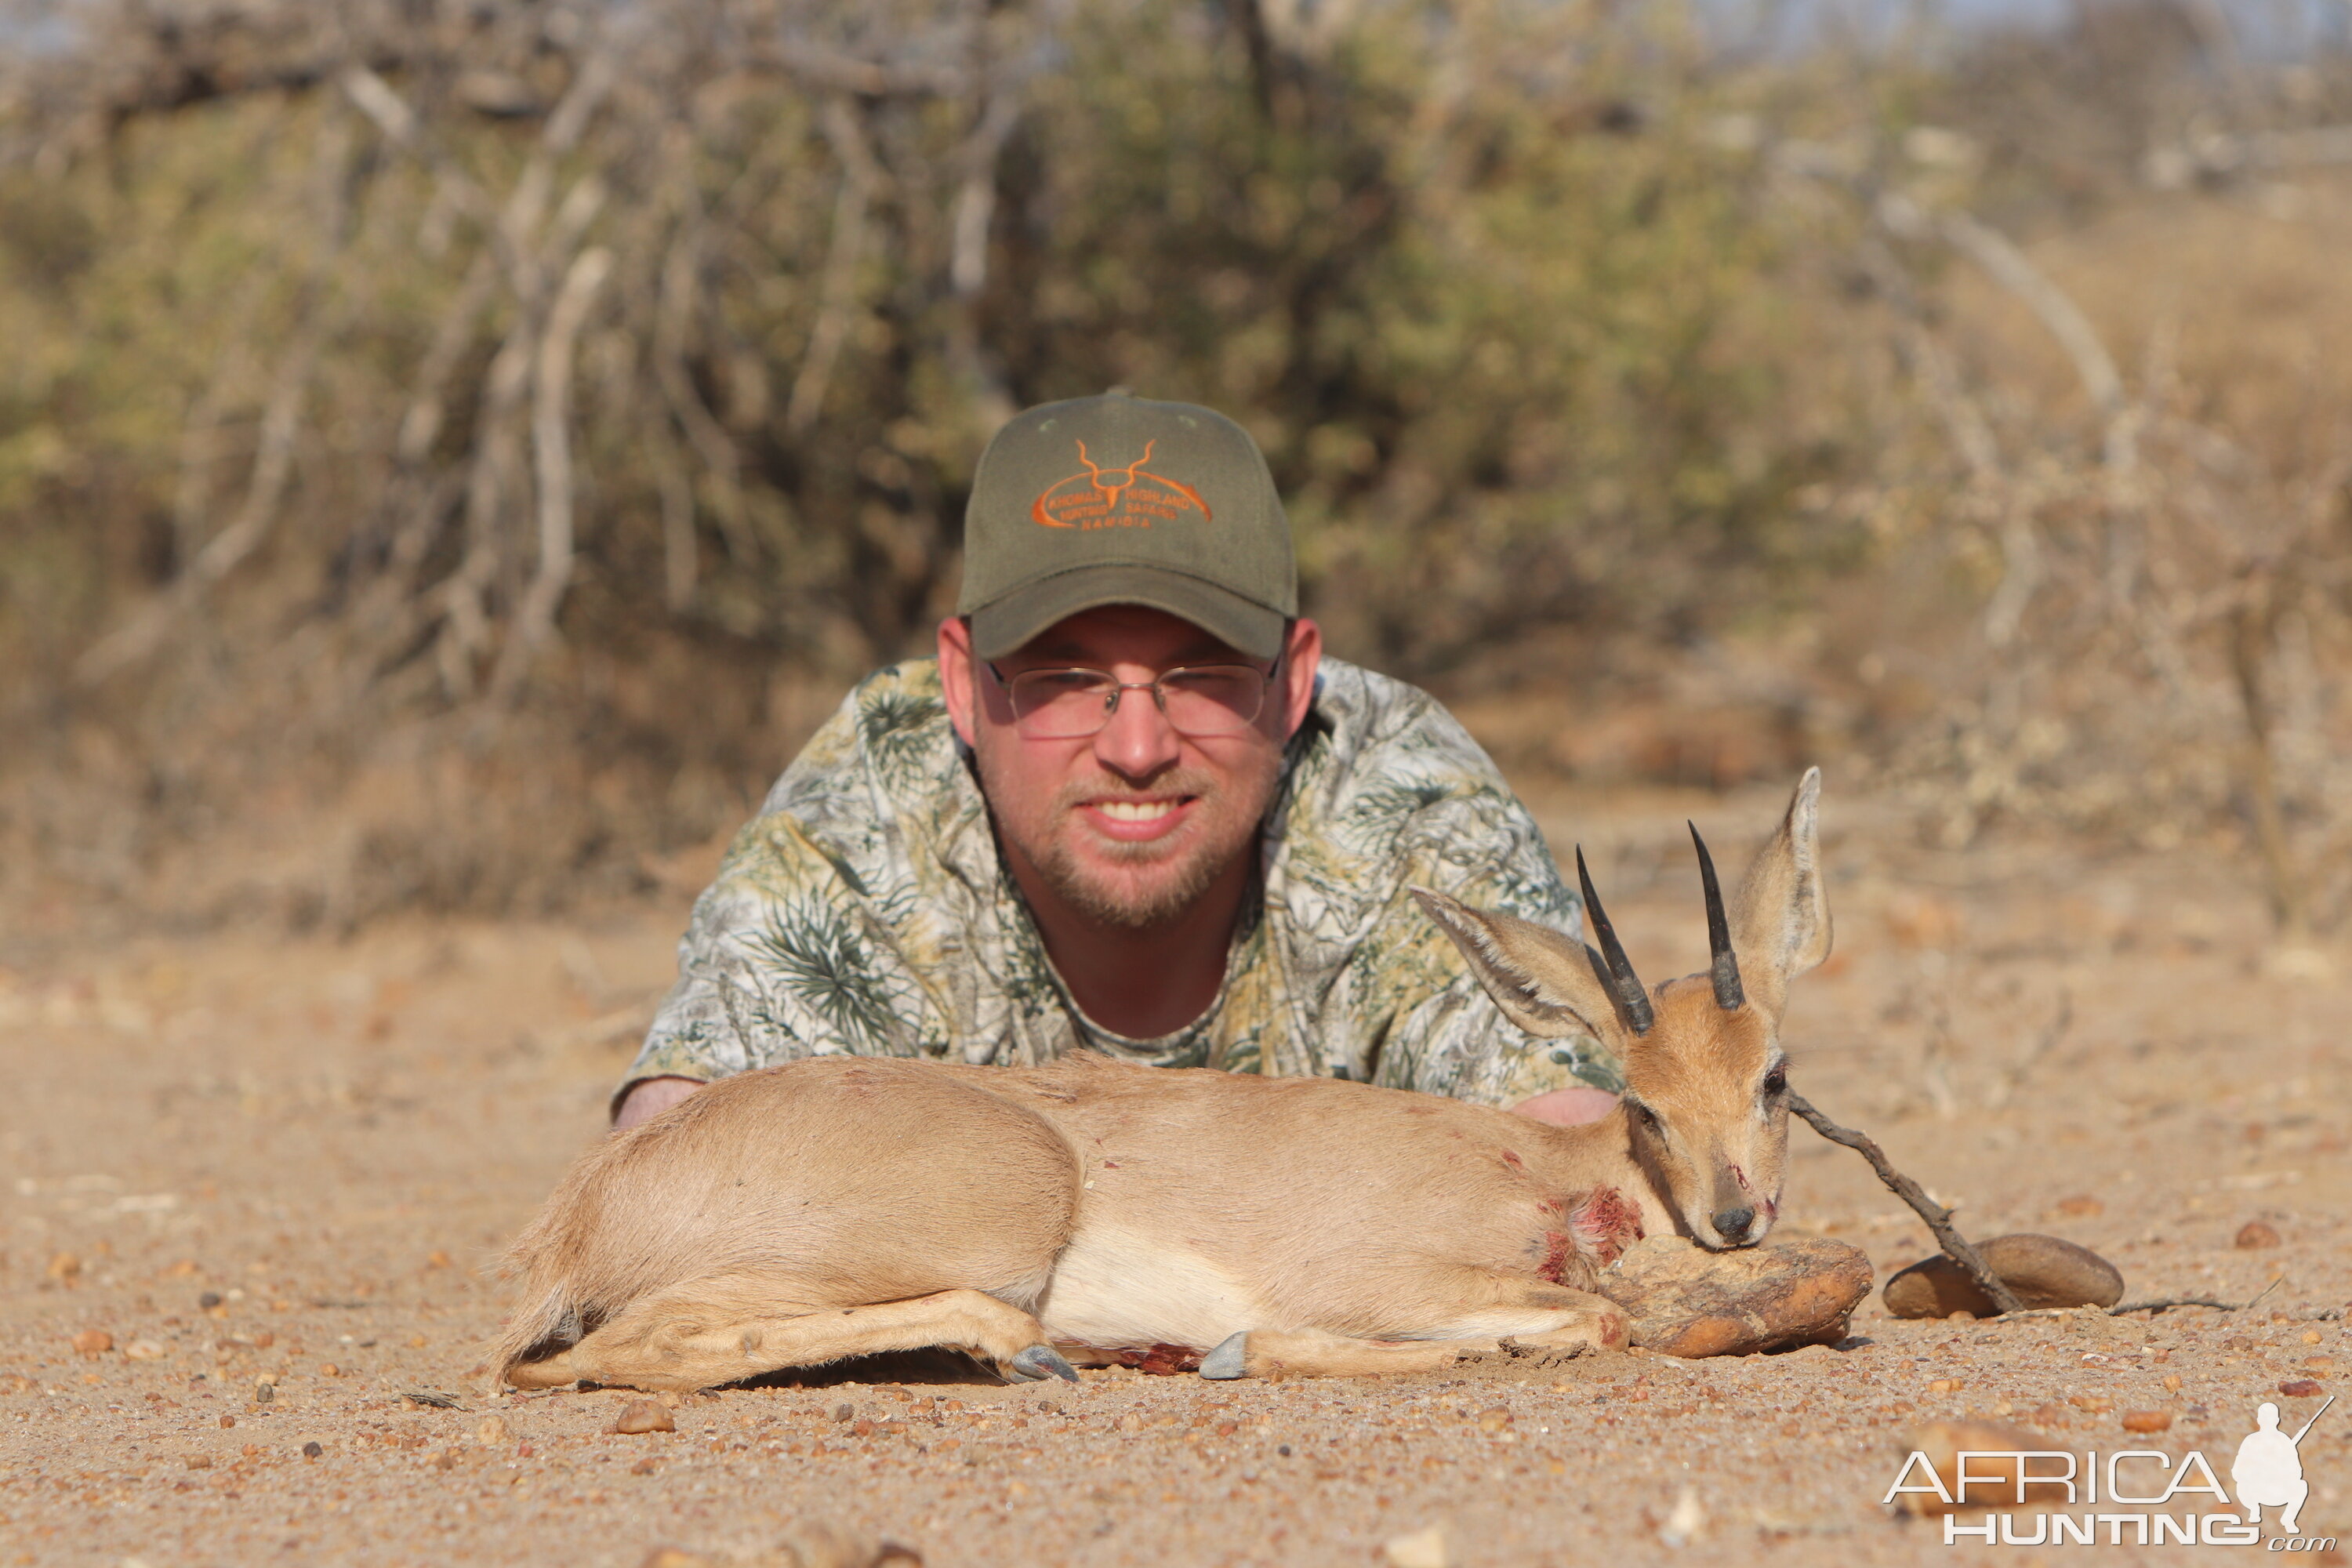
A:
[1644,1115]
[1777,1081]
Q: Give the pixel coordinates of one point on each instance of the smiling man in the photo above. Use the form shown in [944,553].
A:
[1132,808]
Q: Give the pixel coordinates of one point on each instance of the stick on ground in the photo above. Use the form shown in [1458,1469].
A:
[1940,1218]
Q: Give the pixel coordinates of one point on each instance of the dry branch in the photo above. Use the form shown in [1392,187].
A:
[1940,1218]
[551,450]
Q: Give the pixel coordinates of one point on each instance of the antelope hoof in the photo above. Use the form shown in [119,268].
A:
[1040,1361]
[553,1372]
[1229,1359]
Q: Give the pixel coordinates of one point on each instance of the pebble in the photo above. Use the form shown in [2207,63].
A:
[2300,1388]
[2147,1420]
[64,1268]
[93,1342]
[1941,1442]
[144,1350]
[2096,1404]
[2042,1270]
[494,1432]
[2081,1205]
[2256,1234]
[311,1450]
[1420,1549]
[643,1416]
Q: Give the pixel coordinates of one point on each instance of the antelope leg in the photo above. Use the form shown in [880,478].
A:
[1573,1326]
[670,1340]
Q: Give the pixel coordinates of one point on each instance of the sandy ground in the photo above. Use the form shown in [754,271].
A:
[254,1162]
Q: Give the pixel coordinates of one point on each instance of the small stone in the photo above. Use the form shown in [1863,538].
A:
[844,1411]
[494,1432]
[1683,1301]
[2300,1388]
[16,1382]
[2318,1365]
[144,1350]
[2096,1404]
[642,1415]
[65,1268]
[228,1421]
[2147,1420]
[446,1459]
[1946,1384]
[200,1462]
[1494,1420]
[92,1341]
[2081,1205]
[311,1450]
[209,1300]
[1992,1479]
[2255,1234]
[641,1467]
[436,1258]
[672,1557]
[821,1545]
[1420,1549]
[1687,1523]
[2040,1270]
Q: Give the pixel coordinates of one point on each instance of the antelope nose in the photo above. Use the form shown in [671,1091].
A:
[1732,1224]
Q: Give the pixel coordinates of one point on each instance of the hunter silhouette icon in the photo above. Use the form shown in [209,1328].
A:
[2268,1471]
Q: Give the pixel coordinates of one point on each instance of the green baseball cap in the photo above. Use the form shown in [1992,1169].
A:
[1121,500]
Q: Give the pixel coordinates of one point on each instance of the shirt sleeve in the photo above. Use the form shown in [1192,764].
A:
[791,952]
[1445,1034]
[1410,800]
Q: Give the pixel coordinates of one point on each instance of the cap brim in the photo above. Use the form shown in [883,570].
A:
[1008,623]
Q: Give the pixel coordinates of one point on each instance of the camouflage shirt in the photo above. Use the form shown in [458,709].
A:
[866,912]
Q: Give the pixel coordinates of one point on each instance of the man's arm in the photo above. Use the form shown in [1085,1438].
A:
[648,1097]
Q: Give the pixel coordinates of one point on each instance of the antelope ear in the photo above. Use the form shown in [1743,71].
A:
[1781,924]
[1543,980]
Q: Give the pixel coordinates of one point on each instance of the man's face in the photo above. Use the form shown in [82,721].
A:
[1132,825]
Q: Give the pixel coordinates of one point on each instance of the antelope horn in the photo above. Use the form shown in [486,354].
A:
[1726,971]
[1626,989]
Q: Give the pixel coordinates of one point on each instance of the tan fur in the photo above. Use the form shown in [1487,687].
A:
[838,1207]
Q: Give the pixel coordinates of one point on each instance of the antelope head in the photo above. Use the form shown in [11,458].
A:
[1707,1085]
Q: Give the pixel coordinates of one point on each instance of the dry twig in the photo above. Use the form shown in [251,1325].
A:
[1940,1218]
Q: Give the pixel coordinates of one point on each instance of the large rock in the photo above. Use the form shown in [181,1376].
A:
[1682,1300]
[2042,1270]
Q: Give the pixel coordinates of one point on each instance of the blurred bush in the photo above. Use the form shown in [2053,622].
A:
[449,454]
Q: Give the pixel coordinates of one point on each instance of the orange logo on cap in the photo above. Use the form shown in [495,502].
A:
[1115,498]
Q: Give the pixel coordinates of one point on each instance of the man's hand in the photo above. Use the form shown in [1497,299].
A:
[1562,1107]
[650,1096]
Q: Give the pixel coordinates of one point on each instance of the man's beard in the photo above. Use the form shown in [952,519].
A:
[1222,826]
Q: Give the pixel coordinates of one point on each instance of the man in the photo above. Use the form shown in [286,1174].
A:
[1132,808]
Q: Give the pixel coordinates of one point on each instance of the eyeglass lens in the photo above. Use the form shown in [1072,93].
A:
[1066,704]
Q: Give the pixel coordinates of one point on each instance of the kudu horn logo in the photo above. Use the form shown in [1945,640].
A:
[1120,496]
